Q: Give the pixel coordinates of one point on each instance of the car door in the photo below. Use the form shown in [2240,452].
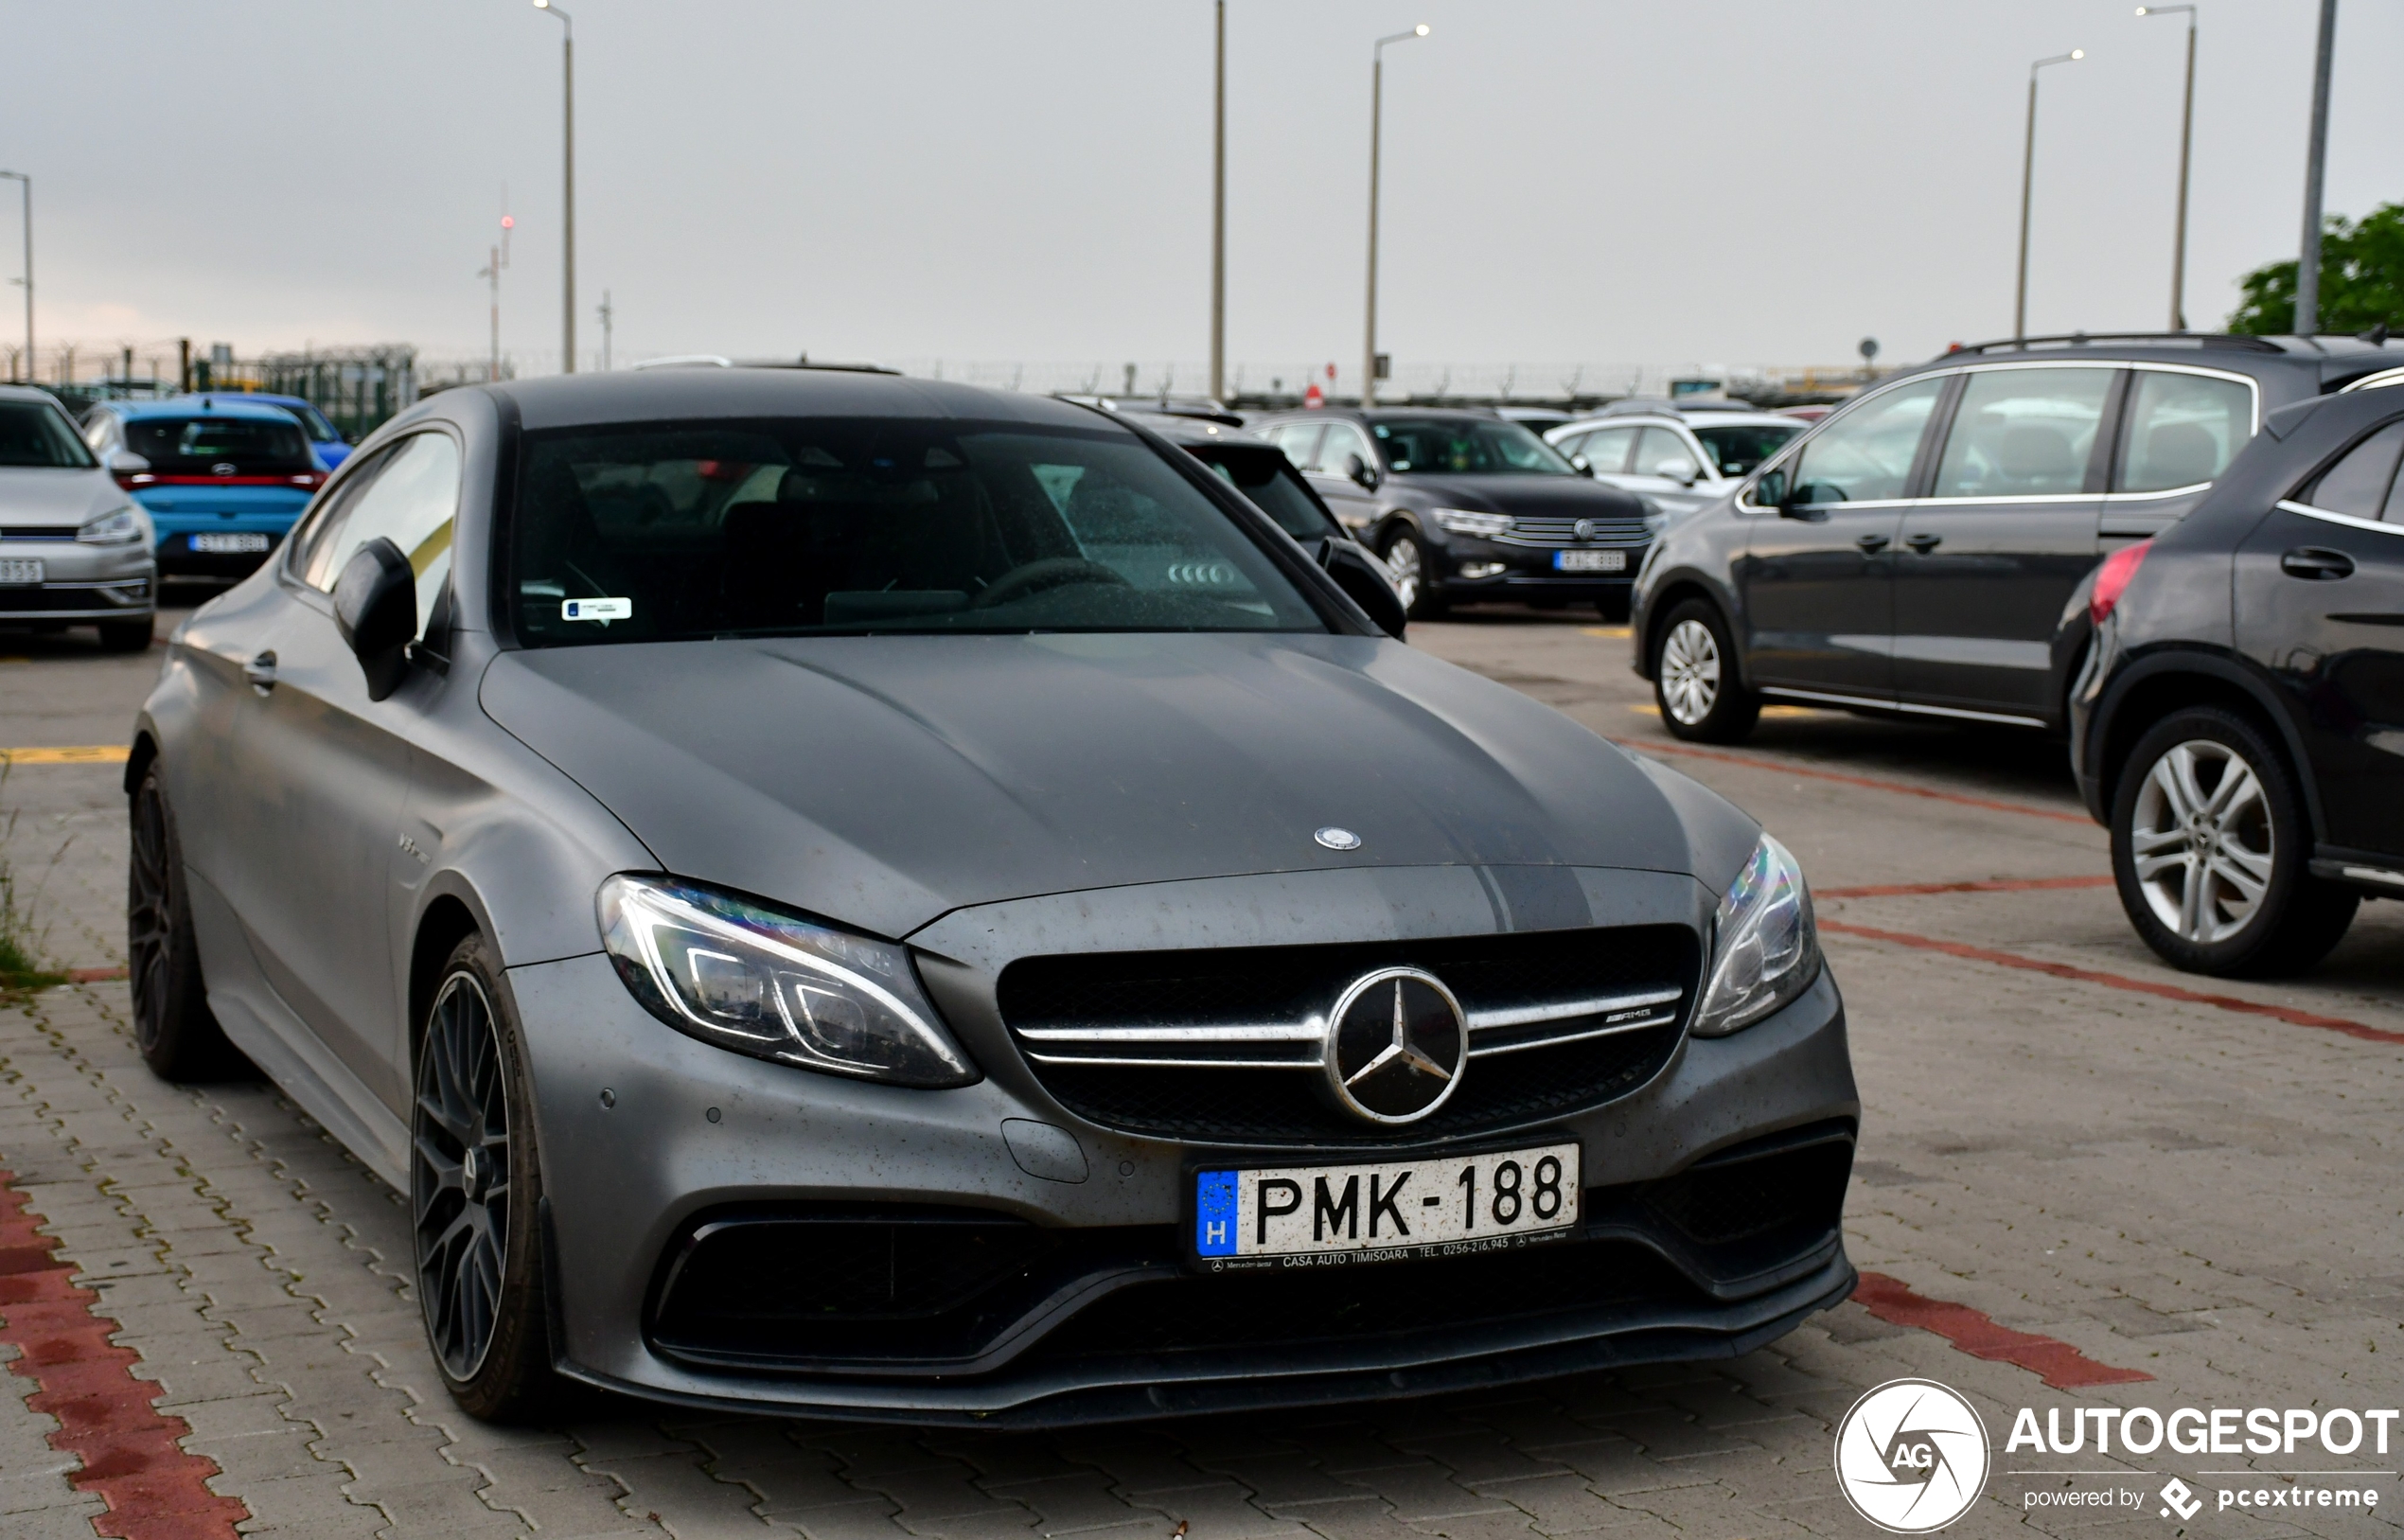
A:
[318,773]
[1816,577]
[1985,562]
[1353,504]
[2320,598]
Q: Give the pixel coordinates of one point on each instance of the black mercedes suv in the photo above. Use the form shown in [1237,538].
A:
[1918,551]
[2240,721]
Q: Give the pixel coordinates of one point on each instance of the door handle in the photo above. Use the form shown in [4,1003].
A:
[2314,563]
[1871,543]
[1925,544]
[260,671]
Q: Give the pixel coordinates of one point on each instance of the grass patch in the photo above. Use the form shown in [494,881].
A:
[21,969]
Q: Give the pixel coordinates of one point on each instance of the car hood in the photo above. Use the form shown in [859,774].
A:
[32,495]
[1559,497]
[884,781]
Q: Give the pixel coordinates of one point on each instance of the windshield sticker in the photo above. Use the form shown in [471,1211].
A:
[604,611]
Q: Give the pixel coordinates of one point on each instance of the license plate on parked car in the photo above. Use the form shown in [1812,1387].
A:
[18,570]
[228,545]
[1590,561]
[1287,1216]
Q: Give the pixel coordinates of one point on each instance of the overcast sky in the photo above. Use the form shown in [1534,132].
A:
[1602,180]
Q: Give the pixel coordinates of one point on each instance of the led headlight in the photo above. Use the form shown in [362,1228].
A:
[119,526]
[1470,521]
[1766,950]
[748,978]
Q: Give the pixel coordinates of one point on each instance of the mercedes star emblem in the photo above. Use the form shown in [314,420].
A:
[1335,838]
[1396,1045]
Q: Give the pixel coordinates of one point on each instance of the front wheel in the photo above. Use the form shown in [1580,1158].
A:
[174,1030]
[1407,560]
[474,1187]
[2210,850]
[1694,678]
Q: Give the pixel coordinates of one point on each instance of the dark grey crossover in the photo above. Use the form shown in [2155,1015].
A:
[882,899]
[1918,551]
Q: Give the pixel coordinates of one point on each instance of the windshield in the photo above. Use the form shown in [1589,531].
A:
[1268,479]
[197,446]
[37,433]
[1737,448]
[667,532]
[1467,447]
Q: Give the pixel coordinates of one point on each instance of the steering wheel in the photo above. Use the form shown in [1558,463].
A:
[1051,571]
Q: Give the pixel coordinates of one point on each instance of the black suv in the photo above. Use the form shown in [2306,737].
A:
[1919,550]
[1464,505]
[2239,724]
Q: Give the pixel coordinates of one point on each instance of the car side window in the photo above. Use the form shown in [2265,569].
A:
[412,502]
[2022,433]
[1662,453]
[1607,450]
[1864,455]
[1298,440]
[326,516]
[2363,483]
[1343,439]
[2183,429]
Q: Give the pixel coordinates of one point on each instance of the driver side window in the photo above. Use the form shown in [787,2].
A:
[1865,455]
[1343,439]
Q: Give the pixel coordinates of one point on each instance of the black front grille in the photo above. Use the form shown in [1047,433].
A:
[1605,531]
[39,532]
[1291,983]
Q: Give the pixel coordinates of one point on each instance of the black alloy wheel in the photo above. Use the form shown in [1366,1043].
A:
[2211,850]
[473,1196]
[1694,678]
[178,1038]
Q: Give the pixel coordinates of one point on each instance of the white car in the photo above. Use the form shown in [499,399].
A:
[74,549]
[1681,459]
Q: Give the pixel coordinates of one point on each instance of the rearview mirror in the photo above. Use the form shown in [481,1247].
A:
[375,609]
[126,462]
[1365,581]
[1357,470]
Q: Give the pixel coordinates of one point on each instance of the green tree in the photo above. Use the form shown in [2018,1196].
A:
[2361,280]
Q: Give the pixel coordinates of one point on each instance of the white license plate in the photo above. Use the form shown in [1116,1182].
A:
[18,570]
[1590,561]
[1284,1216]
[228,545]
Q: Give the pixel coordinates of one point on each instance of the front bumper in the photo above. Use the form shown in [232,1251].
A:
[81,582]
[1470,569]
[1105,1321]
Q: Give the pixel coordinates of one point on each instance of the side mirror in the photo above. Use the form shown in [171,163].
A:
[1366,581]
[1581,465]
[375,609]
[1357,468]
[126,462]
[1681,470]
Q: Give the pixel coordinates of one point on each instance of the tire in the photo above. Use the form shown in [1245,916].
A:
[1614,608]
[126,635]
[1407,556]
[2210,849]
[178,1038]
[1694,679]
[474,1187]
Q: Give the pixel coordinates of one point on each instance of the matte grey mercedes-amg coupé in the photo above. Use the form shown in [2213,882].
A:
[839,894]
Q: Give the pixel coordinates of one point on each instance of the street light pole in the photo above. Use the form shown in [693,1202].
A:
[567,188]
[1376,107]
[1218,218]
[2027,187]
[27,181]
[2308,261]
[2186,139]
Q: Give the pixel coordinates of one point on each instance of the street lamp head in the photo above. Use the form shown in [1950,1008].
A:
[2077,53]
[1420,29]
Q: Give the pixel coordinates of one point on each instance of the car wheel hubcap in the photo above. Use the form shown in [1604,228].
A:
[1690,672]
[2201,842]
[460,1185]
[1403,556]
[149,917]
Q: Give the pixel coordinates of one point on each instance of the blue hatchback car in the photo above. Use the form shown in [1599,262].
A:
[324,436]
[222,477]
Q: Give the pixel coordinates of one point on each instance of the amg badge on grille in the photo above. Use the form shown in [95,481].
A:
[1397,1042]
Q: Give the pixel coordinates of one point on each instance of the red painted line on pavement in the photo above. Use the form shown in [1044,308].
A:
[2116,980]
[1975,1333]
[1917,889]
[94,975]
[106,1417]
[1906,788]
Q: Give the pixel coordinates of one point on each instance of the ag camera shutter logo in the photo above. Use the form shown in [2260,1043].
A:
[1911,1456]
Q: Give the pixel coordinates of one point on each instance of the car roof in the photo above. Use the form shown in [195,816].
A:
[185,406]
[261,397]
[625,395]
[2332,360]
[1379,414]
[28,393]
[1196,432]
[1751,416]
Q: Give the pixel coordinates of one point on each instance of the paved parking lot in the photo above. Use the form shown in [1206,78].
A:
[2085,1181]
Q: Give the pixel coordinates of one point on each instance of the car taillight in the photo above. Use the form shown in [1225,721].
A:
[128,480]
[2111,579]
